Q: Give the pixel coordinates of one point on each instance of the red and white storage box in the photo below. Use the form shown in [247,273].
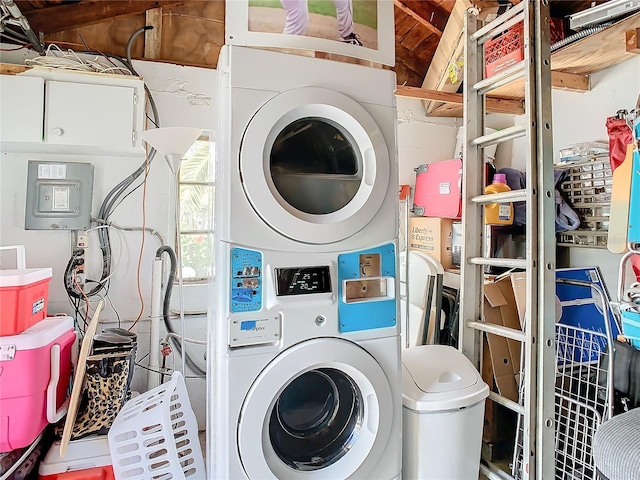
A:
[86,459]
[24,293]
[35,368]
[505,50]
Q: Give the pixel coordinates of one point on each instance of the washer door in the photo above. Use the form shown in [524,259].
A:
[309,417]
[314,165]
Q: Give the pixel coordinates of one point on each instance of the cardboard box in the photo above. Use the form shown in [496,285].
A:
[499,422]
[432,236]
[501,308]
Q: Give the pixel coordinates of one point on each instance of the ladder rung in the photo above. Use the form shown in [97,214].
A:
[499,79]
[499,330]
[590,204]
[500,136]
[501,23]
[505,402]
[500,262]
[492,472]
[511,196]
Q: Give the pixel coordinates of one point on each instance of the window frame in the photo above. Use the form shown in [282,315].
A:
[209,184]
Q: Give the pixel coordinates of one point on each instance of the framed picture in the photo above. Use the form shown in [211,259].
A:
[356,28]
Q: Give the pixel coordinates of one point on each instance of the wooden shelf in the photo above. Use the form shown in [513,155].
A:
[584,57]
[571,66]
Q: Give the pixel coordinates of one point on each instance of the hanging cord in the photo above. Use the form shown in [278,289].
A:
[165,310]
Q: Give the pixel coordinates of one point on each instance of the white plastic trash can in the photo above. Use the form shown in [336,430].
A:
[443,398]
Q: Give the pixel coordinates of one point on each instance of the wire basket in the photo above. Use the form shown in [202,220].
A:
[155,436]
[588,188]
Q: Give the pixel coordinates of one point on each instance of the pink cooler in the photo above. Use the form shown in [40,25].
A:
[24,293]
[35,368]
[438,191]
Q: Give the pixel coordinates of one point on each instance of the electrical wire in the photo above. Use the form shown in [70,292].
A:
[577,36]
[55,57]
[149,230]
[113,197]
[144,224]
[190,340]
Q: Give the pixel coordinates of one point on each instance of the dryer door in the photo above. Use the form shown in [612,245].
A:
[309,417]
[314,165]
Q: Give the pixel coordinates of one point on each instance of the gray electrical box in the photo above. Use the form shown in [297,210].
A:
[59,195]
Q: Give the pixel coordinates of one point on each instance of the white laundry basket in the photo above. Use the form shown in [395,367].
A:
[155,436]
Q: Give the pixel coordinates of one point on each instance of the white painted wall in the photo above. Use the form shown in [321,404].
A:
[422,139]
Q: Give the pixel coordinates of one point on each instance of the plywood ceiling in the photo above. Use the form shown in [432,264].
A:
[192,32]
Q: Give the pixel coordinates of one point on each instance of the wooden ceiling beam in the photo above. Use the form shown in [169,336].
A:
[494,105]
[68,16]
[425,13]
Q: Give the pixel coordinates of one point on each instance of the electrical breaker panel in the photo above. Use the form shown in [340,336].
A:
[59,195]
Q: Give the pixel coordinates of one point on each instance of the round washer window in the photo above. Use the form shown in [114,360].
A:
[314,166]
[316,419]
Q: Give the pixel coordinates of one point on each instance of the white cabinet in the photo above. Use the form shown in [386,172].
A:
[58,111]
[92,115]
[21,106]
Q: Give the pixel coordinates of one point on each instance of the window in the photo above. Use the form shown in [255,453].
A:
[196,184]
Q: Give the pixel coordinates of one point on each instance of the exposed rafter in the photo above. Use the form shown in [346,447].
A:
[75,15]
[426,13]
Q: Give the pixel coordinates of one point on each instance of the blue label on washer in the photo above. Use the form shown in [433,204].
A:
[246,281]
[367,292]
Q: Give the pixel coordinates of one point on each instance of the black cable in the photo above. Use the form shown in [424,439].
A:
[165,308]
[112,199]
[69,274]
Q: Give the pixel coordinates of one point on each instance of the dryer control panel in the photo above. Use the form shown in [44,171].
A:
[246,281]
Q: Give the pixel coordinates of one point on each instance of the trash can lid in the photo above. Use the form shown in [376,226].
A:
[439,378]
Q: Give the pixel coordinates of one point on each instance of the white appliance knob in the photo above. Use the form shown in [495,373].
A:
[57,131]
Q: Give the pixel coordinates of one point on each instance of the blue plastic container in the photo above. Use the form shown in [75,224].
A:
[631,327]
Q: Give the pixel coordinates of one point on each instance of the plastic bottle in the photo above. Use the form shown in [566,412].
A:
[498,213]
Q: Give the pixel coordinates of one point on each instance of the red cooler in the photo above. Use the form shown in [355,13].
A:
[24,293]
[35,368]
[86,459]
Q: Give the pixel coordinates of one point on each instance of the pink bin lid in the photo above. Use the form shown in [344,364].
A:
[38,335]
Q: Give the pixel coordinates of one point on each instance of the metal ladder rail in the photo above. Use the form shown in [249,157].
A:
[538,335]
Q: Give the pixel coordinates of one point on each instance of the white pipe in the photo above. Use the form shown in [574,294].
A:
[153,375]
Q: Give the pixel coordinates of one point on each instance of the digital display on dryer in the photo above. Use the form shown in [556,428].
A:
[302,280]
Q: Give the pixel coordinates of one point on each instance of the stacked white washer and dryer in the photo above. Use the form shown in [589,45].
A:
[304,351]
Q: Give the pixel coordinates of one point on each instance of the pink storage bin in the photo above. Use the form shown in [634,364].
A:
[438,191]
[35,369]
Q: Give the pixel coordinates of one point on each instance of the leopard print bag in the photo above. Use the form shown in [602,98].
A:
[105,393]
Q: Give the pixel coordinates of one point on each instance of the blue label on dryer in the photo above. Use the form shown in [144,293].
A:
[246,280]
[366,289]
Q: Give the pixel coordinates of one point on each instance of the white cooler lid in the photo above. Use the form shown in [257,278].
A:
[89,452]
[439,378]
[25,276]
[39,334]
